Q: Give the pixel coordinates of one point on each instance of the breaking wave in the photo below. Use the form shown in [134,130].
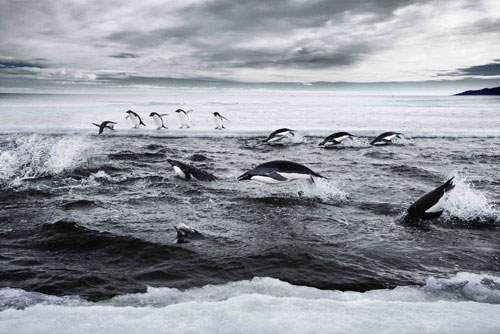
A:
[464,303]
[35,156]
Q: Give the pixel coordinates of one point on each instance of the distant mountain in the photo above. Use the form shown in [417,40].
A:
[484,91]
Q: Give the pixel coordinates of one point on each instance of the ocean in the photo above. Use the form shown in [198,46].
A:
[87,234]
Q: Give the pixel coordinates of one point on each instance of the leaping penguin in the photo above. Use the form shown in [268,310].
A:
[105,125]
[134,118]
[186,172]
[385,138]
[280,171]
[184,118]
[335,139]
[430,206]
[278,136]
[219,121]
[157,118]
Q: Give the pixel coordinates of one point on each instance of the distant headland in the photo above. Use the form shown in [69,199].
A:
[484,91]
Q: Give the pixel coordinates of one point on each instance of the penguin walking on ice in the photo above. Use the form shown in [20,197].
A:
[219,121]
[105,125]
[184,118]
[134,118]
[158,119]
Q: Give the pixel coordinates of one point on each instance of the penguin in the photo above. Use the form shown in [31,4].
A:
[280,171]
[185,233]
[134,118]
[186,172]
[184,118]
[335,139]
[105,125]
[429,206]
[385,138]
[157,118]
[278,136]
[219,121]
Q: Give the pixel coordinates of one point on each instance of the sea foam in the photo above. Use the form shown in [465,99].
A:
[464,303]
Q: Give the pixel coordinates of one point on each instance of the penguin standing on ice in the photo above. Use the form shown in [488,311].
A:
[430,205]
[134,118]
[280,171]
[158,119]
[335,139]
[385,138]
[105,125]
[184,118]
[219,121]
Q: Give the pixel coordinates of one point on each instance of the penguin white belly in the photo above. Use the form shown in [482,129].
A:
[266,179]
[158,122]
[135,121]
[280,137]
[339,139]
[330,143]
[179,172]
[295,176]
[436,207]
[391,137]
[218,123]
[184,120]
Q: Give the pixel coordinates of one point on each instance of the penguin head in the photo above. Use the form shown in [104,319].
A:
[179,110]
[152,114]
[216,114]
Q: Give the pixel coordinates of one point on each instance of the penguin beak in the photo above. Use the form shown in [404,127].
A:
[244,177]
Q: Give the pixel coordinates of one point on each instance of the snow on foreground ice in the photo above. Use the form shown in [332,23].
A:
[465,303]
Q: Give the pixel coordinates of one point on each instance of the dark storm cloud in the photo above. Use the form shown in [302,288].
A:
[124,55]
[486,70]
[213,28]
[245,40]
[13,64]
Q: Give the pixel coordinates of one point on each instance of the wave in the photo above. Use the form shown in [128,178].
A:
[464,303]
[465,205]
[35,156]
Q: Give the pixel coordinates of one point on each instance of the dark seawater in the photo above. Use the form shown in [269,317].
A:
[93,216]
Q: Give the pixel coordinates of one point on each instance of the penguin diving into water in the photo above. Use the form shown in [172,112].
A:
[219,121]
[280,171]
[430,205]
[280,136]
[385,138]
[105,125]
[186,172]
[134,118]
[184,118]
[335,139]
[158,119]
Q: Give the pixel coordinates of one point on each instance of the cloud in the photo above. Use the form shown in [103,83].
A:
[124,55]
[247,40]
[486,70]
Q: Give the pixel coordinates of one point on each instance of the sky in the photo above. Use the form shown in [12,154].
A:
[113,42]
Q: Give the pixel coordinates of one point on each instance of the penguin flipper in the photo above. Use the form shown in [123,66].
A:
[276,176]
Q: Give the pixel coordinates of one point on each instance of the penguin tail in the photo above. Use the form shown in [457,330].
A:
[164,127]
[449,185]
